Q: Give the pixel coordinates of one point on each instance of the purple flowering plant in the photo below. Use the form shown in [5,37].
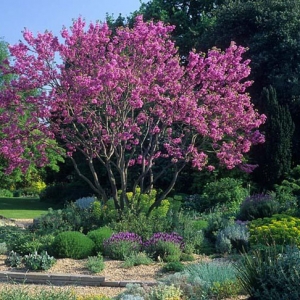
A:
[121,245]
[167,246]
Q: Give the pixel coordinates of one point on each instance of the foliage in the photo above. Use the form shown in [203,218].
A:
[13,259]
[279,229]
[271,274]
[121,245]
[3,248]
[26,292]
[35,261]
[226,192]
[136,259]
[133,107]
[206,280]
[98,236]
[173,266]
[95,264]
[93,297]
[234,236]
[85,202]
[71,218]
[164,246]
[6,193]
[72,244]
[144,226]
[258,206]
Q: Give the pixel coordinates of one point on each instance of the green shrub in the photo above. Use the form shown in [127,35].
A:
[271,274]
[121,245]
[95,264]
[163,292]
[226,192]
[258,206]
[37,261]
[98,236]
[6,193]
[13,259]
[3,248]
[235,236]
[279,230]
[141,224]
[174,266]
[136,259]
[72,244]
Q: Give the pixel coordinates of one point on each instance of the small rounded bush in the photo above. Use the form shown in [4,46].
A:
[72,244]
[98,236]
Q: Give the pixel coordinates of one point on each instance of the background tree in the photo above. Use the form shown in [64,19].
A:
[276,155]
[125,101]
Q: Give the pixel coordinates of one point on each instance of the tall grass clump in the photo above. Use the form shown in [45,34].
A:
[271,274]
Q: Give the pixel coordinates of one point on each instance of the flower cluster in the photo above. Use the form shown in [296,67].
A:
[130,237]
[173,237]
[258,198]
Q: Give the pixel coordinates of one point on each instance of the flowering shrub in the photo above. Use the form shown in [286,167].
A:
[167,246]
[280,230]
[122,245]
[85,202]
[258,206]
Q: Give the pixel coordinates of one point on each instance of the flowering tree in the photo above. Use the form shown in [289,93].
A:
[125,101]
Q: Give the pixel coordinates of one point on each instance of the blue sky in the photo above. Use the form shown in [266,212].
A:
[39,15]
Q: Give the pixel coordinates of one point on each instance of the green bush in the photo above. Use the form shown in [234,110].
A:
[258,206]
[141,224]
[37,261]
[13,259]
[174,266]
[226,192]
[95,264]
[6,193]
[235,236]
[136,259]
[72,244]
[279,230]
[271,274]
[98,236]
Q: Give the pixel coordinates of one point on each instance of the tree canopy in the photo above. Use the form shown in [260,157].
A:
[126,101]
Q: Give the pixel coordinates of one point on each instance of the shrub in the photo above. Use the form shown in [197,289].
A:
[258,206]
[226,192]
[95,264]
[279,230]
[37,261]
[174,266]
[199,281]
[167,246]
[234,236]
[3,248]
[98,236]
[85,202]
[122,244]
[271,275]
[163,292]
[136,259]
[142,225]
[93,297]
[6,193]
[13,259]
[72,244]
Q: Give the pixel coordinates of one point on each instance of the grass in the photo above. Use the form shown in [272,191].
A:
[23,207]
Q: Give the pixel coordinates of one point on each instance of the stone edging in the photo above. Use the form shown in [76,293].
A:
[66,279]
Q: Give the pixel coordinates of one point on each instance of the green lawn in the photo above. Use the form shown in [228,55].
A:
[23,208]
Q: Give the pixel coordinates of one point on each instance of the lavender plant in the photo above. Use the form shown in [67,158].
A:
[122,244]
